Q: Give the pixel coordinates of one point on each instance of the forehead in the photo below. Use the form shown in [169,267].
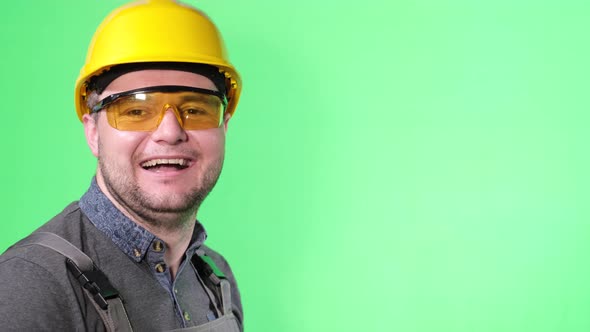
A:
[155,77]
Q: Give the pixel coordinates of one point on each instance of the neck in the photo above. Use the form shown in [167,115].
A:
[177,242]
[176,238]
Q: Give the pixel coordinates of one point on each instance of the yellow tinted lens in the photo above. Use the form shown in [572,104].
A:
[144,111]
[199,111]
[135,112]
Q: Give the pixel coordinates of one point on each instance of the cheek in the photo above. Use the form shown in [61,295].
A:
[117,144]
[211,143]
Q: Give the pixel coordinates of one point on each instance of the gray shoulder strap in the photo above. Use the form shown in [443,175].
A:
[111,311]
[62,246]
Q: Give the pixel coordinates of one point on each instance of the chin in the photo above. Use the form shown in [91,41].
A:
[173,200]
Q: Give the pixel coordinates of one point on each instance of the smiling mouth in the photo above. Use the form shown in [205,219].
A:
[165,164]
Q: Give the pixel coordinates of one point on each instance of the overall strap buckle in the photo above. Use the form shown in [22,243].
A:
[95,282]
[215,279]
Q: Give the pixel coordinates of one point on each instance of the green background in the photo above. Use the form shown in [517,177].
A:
[405,165]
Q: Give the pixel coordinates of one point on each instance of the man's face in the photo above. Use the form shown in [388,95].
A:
[161,195]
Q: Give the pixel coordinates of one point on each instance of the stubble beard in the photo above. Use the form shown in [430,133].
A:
[161,212]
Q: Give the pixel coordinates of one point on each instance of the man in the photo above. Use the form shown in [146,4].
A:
[155,97]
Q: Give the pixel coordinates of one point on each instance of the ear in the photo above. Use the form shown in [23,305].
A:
[91,132]
[226,118]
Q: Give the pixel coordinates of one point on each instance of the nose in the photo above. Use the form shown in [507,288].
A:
[169,131]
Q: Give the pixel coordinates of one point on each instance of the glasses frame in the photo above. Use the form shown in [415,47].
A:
[104,103]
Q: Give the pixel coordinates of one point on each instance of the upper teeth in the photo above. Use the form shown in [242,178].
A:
[155,162]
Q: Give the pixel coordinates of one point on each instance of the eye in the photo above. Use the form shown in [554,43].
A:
[194,111]
[135,112]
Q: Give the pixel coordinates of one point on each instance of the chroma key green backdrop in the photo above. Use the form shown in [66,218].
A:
[393,165]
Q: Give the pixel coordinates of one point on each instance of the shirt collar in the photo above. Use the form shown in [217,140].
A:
[130,237]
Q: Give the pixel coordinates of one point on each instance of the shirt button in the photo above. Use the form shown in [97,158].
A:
[136,252]
[187,316]
[175,290]
[160,267]
[158,246]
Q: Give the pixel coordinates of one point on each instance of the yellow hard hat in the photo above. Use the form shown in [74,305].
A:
[156,31]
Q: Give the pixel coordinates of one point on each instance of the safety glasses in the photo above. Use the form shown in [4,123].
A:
[143,109]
